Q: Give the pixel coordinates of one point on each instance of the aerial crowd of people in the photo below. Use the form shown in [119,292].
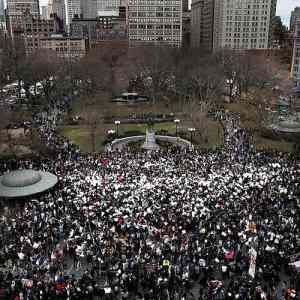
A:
[168,225]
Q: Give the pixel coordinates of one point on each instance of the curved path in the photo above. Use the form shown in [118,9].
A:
[123,142]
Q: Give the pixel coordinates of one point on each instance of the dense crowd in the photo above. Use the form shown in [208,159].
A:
[173,224]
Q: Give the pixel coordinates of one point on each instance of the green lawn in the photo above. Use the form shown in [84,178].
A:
[262,143]
[102,104]
[249,118]
[80,134]
[212,136]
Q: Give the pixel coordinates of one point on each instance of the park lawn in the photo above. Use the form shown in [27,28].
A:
[102,104]
[213,136]
[247,112]
[80,134]
[249,119]
[262,144]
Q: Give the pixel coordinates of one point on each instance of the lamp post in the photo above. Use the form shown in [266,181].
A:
[191,130]
[176,121]
[117,123]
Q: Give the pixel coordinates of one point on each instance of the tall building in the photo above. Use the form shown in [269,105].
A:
[155,22]
[94,8]
[2,12]
[185,5]
[16,10]
[294,15]
[186,29]
[89,9]
[295,72]
[103,30]
[37,29]
[64,47]
[237,24]
[58,8]
[2,18]
[243,24]
[50,8]
[73,10]
[202,23]
[108,5]
[44,12]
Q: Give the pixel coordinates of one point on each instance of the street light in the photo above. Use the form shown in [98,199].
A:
[191,130]
[176,121]
[117,123]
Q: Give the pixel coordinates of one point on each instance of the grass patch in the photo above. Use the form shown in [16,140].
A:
[211,137]
[102,104]
[80,134]
[265,144]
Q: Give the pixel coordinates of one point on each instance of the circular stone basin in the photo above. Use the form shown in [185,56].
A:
[21,178]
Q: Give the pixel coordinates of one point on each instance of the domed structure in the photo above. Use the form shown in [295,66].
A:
[23,183]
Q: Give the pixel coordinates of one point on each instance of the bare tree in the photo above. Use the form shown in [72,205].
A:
[154,71]
[243,71]
[92,74]
[113,56]
[13,53]
[94,122]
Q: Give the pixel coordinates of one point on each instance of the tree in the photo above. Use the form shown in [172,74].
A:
[92,74]
[94,122]
[243,71]
[153,71]
[113,56]
[47,66]
[5,121]
[199,118]
[13,53]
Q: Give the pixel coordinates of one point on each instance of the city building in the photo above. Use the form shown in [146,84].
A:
[108,5]
[102,29]
[44,12]
[294,15]
[89,9]
[50,8]
[2,11]
[155,22]
[58,10]
[35,29]
[73,10]
[112,30]
[2,18]
[185,5]
[202,24]
[65,47]
[15,13]
[243,24]
[295,71]
[237,24]
[85,29]
[186,29]
[94,8]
